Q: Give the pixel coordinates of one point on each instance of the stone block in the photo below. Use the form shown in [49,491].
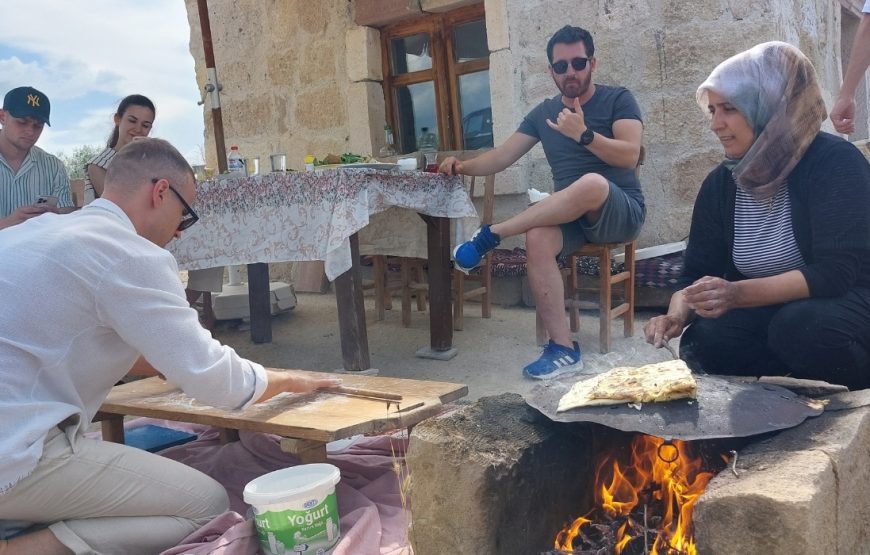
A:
[248,115]
[504,95]
[365,109]
[494,478]
[311,17]
[812,481]
[497,27]
[685,55]
[507,291]
[363,51]
[281,70]
[377,13]
[844,437]
[316,109]
[318,64]
[673,121]
[675,12]
[768,509]
[441,6]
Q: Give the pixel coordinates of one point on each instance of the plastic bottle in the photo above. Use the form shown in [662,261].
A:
[427,140]
[235,162]
[309,162]
[387,149]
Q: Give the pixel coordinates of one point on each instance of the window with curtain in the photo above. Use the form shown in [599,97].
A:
[436,81]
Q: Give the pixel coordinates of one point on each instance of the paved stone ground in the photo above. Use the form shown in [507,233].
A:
[491,355]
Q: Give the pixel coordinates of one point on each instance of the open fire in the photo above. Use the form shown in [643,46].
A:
[642,505]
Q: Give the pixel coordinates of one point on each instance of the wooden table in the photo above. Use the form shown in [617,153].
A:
[306,423]
[315,216]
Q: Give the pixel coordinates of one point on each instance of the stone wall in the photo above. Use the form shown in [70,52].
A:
[661,50]
[283,65]
[302,77]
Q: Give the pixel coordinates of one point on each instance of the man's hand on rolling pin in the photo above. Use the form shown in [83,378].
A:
[295,382]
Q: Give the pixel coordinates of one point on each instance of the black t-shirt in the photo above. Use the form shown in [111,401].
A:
[570,160]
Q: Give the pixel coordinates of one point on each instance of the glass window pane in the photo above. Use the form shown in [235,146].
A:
[476,106]
[469,41]
[409,54]
[418,126]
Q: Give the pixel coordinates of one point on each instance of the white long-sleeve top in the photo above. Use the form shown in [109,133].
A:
[81,297]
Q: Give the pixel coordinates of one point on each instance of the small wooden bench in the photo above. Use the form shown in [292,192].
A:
[306,423]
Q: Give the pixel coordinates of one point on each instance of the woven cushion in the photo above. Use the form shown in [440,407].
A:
[512,263]
[660,271]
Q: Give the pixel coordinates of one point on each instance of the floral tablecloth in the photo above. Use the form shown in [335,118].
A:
[296,216]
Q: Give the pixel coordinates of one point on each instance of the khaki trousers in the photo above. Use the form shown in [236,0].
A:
[107,498]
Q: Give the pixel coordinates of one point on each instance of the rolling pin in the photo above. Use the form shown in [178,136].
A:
[370,393]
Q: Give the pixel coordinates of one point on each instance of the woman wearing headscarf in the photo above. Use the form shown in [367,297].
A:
[777,267]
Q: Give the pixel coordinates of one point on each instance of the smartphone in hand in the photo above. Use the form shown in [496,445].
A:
[49,200]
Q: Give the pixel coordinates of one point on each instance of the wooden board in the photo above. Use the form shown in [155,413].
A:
[319,416]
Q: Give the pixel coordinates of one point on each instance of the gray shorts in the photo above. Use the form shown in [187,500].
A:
[620,221]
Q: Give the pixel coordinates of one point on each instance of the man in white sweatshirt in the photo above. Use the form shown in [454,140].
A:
[86,296]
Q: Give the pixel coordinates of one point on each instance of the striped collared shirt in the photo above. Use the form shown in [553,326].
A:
[40,174]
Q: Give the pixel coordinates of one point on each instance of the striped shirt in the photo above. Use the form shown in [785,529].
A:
[764,242]
[40,174]
[101,160]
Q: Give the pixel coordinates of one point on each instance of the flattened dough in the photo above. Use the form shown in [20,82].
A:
[651,383]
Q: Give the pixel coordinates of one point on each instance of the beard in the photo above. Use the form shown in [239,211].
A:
[574,87]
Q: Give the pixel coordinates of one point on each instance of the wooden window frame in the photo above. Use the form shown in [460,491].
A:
[444,73]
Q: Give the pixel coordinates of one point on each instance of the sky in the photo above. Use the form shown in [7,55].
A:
[88,55]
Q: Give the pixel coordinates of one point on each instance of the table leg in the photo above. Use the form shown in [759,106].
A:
[260,302]
[351,314]
[227,435]
[113,428]
[440,297]
[306,450]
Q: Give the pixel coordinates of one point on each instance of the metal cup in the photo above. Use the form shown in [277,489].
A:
[279,162]
[199,172]
[252,166]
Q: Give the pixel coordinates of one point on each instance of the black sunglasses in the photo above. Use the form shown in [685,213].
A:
[189,217]
[579,64]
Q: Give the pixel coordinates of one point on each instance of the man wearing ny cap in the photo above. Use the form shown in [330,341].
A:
[26,171]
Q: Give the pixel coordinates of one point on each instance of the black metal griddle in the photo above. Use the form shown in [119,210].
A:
[724,408]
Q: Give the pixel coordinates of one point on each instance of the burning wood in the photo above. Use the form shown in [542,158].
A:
[643,505]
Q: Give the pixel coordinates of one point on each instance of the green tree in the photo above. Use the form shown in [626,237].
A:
[75,163]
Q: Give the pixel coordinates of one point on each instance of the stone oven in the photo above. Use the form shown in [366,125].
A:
[498,477]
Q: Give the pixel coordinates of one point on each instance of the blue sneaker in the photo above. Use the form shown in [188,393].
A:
[467,255]
[555,360]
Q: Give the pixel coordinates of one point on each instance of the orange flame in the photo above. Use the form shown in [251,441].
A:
[620,491]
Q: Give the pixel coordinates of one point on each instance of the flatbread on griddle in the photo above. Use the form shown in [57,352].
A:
[651,383]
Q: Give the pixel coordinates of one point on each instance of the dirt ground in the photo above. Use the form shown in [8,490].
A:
[492,352]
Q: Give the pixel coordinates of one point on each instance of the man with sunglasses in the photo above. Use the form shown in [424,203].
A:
[86,296]
[591,135]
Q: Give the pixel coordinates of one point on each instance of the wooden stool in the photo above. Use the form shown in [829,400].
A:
[607,312]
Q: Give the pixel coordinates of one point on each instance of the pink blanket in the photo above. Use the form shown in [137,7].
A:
[373,520]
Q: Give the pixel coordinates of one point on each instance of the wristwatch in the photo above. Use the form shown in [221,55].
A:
[586,137]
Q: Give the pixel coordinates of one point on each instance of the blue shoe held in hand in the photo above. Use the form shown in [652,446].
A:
[467,256]
[555,360]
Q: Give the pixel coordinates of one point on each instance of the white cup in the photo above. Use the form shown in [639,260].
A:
[407,164]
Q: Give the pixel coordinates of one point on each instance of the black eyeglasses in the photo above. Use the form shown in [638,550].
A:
[560,67]
[189,217]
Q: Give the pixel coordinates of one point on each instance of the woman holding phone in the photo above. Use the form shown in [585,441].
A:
[133,118]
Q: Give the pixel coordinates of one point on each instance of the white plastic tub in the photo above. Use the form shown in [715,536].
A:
[295,509]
